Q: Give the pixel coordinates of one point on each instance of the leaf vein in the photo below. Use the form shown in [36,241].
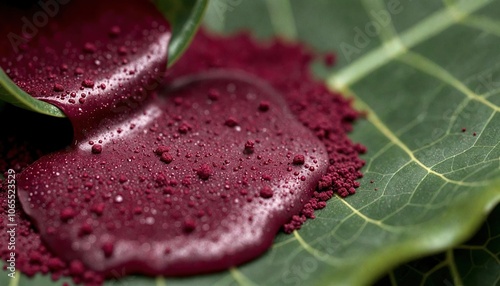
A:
[241,278]
[453,120]
[15,281]
[323,256]
[368,219]
[282,243]
[387,31]
[453,267]
[484,24]
[429,67]
[433,270]
[378,154]
[479,247]
[282,19]
[393,175]
[375,120]
[424,30]
[160,281]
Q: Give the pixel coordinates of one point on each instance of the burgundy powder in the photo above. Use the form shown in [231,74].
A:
[175,172]
[193,205]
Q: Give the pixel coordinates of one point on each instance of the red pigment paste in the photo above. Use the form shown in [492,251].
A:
[193,176]
[91,58]
[176,173]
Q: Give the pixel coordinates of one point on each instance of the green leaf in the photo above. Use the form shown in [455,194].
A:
[185,17]
[475,262]
[423,77]
[11,93]
[420,89]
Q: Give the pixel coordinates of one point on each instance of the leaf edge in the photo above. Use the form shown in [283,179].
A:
[11,93]
[448,232]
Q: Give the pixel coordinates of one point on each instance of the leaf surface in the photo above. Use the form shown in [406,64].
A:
[475,262]
[422,77]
